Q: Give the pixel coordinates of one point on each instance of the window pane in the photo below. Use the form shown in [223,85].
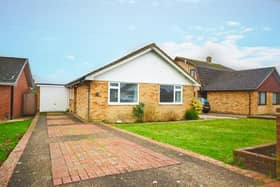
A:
[274,98]
[128,93]
[166,94]
[114,84]
[262,98]
[178,96]
[113,95]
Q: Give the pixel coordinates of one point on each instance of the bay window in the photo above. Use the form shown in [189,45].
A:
[170,94]
[123,93]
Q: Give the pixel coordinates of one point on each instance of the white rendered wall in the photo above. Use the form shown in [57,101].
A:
[146,68]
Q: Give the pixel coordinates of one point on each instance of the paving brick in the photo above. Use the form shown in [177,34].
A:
[58,131]
[84,159]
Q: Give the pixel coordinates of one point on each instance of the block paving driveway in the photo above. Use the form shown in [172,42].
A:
[64,151]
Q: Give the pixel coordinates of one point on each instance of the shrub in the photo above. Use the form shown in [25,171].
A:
[197,105]
[138,112]
[191,114]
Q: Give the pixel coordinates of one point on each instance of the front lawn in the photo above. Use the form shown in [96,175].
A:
[214,138]
[10,134]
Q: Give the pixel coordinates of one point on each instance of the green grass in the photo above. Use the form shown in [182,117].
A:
[10,134]
[214,138]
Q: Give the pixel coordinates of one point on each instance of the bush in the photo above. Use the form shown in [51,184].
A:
[197,105]
[138,112]
[191,114]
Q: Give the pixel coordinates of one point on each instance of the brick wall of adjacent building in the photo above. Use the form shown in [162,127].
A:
[19,90]
[238,102]
[5,98]
[229,102]
[148,94]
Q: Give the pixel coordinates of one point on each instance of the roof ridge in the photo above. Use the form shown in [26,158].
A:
[20,58]
[269,67]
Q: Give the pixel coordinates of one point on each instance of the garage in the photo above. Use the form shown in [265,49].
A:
[53,97]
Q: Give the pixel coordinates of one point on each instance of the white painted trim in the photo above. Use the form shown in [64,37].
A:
[119,94]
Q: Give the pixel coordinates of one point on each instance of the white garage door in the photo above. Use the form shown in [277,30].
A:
[53,98]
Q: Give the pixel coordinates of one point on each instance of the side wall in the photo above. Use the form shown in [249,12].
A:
[82,101]
[5,98]
[19,90]
[148,94]
[229,102]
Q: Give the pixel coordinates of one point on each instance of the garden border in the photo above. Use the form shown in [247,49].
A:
[7,168]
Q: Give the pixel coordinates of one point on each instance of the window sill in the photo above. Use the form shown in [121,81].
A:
[171,103]
[262,104]
[122,104]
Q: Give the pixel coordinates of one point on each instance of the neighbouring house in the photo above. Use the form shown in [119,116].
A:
[248,92]
[147,75]
[15,81]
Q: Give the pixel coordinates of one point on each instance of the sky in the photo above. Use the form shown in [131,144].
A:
[64,39]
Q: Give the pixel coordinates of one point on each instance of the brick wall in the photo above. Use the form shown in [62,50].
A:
[229,102]
[269,108]
[148,94]
[5,99]
[82,101]
[19,90]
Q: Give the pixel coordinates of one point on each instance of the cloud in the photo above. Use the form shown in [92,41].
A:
[267,28]
[70,57]
[233,23]
[226,52]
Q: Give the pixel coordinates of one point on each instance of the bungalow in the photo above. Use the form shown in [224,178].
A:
[15,81]
[249,92]
[147,75]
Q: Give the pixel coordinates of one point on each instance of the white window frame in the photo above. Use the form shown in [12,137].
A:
[174,96]
[119,93]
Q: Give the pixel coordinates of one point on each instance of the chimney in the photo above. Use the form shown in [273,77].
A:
[209,59]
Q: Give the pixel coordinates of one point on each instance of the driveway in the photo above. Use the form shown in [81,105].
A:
[65,151]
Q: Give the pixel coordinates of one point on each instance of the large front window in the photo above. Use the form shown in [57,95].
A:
[262,98]
[276,98]
[170,94]
[123,93]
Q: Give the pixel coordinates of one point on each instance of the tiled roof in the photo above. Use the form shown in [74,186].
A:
[239,80]
[11,68]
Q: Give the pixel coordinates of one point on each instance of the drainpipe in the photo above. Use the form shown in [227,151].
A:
[12,103]
[88,107]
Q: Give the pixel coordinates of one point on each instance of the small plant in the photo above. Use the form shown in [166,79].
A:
[191,114]
[197,105]
[138,112]
[67,110]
